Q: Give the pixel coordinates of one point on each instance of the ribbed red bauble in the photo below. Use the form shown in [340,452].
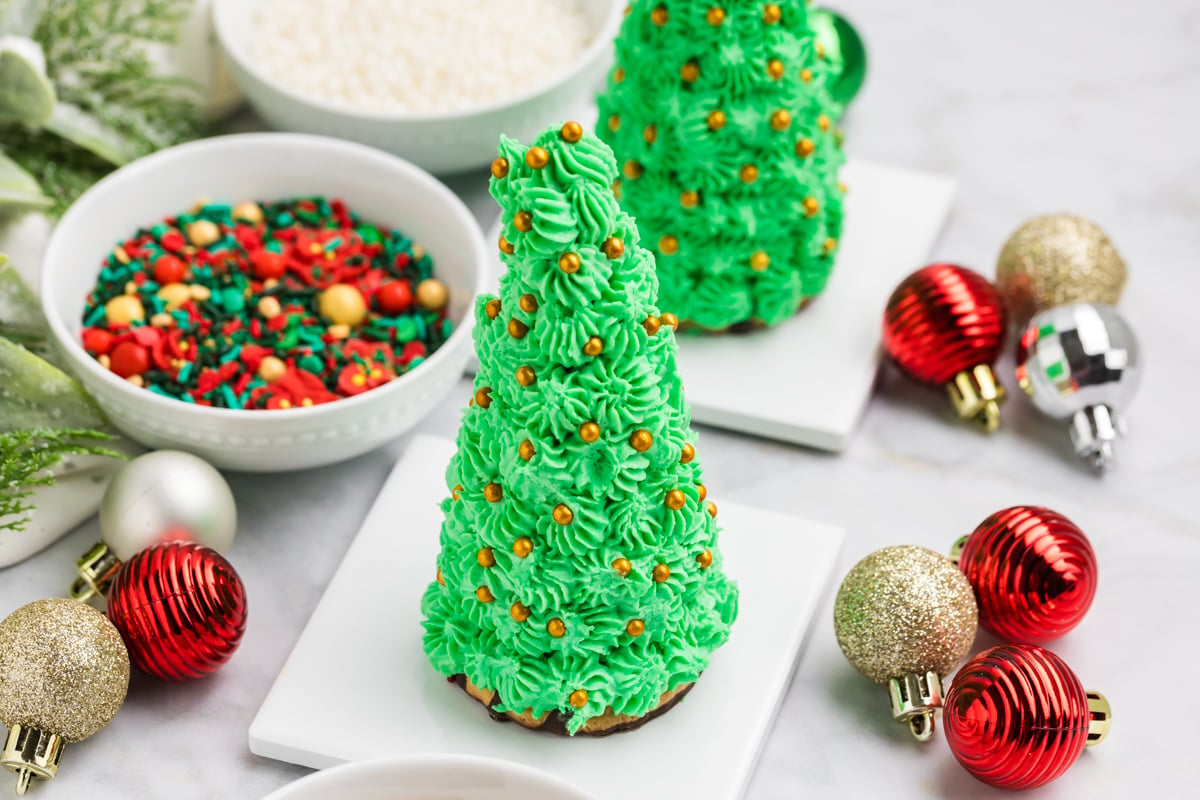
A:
[1033,571]
[945,326]
[181,609]
[1017,717]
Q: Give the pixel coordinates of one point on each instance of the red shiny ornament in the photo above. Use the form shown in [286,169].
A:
[944,326]
[181,609]
[1033,570]
[1017,717]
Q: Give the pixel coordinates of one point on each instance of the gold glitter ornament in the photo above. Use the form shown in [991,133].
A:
[64,672]
[1055,260]
[905,616]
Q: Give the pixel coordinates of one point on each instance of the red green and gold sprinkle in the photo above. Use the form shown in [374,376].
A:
[265,305]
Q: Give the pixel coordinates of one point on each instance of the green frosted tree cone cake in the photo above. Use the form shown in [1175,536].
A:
[579,587]
[720,116]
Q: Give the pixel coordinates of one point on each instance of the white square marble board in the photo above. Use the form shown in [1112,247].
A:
[357,685]
[808,380]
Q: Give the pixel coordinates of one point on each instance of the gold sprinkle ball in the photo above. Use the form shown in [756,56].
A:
[456,490]
[523,221]
[670,320]
[526,450]
[614,123]
[202,233]
[338,332]
[124,309]
[483,396]
[269,307]
[432,294]
[635,627]
[570,263]
[517,329]
[659,16]
[690,72]
[579,698]
[712,509]
[619,72]
[440,578]
[486,557]
[668,245]
[780,120]
[493,492]
[523,546]
[748,173]
[675,499]
[661,573]
[492,309]
[594,346]
[537,157]
[805,148]
[702,491]
[688,454]
[806,75]
[760,260]
[715,120]
[772,14]
[342,304]
[507,247]
[650,133]
[830,245]
[622,567]
[641,440]
[519,611]
[705,559]
[562,514]
[528,303]
[589,432]
[714,16]
[811,206]
[689,199]
[823,122]
[556,628]
[271,369]
[633,170]
[484,594]
[500,168]
[248,212]
[613,247]
[652,325]
[905,609]
[526,376]
[775,68]
[571,132]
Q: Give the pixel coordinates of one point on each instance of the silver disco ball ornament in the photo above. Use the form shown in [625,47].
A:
[1080,362]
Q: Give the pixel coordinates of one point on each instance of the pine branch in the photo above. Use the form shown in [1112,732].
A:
[26,458]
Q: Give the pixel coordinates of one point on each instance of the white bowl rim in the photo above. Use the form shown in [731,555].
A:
[232,47]
[447,761]
[212,147]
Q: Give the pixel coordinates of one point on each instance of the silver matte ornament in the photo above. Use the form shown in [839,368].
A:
[166,495]
[1080,362]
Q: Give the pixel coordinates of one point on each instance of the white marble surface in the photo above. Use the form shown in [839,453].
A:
[1084,106]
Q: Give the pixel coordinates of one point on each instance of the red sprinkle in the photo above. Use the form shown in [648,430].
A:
[130,358]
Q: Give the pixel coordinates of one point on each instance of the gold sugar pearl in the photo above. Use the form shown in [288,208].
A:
[248,212]
[687,455]
[820,50]
[578,698]
[635,627]
[528,303]
[659,16]
[622,567]
[712,509]
[202,232]
[843,188]
[589,432]
[440,579]
[570,263]
[675,499]
[811,206]
[772,14]
[562,514]
[124,309]
[619,75]
[523,221]
[633,170]
[805,148]
[271,368]
[614,123]
[689,199]
[139,381]
[173,296]
[714,16]
[613,247]
[650,133]
[702,491]
[594,346]
[806,75]
[537,157]
[492,309]
[760,261]
[556,628]
[641,440]
[571,132]
[661,573]
[455,492]
[484,594]
[483,396]
[775,68]
[486,557]
[526,376]
[506,246]
[519,612]
[526,450]
[200,293]
[690,72]
[668,245]
[780,120]
[670,320]
[823,122]
[830,245]
[705,559]
[517,329]
[432,294]
[748,173]
[493,492]
[338,332]
[716,120]
[269,307]
[616,188]
[523,547]
[500,168]
[652,325]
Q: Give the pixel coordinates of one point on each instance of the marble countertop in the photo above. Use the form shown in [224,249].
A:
[1035,107]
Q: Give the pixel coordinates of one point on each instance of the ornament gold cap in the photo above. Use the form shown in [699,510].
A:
[32,754]
[97,568]
[957,548]
[1101,718]
[1094,430]
[977,395]
[914,698]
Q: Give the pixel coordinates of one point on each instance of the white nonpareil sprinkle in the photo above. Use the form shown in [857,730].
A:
[416,55]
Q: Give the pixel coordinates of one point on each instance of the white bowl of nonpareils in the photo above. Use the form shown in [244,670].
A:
[434,82]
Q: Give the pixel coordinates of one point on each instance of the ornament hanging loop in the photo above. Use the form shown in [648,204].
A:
[31,754]
[97,568]
[914,699]
[977,395]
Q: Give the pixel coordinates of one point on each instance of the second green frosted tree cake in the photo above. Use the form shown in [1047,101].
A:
[720,117]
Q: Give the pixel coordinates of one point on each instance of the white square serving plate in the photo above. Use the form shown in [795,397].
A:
[358,685]
[808,380]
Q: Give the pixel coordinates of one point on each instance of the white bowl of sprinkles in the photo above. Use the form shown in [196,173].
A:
[434,82]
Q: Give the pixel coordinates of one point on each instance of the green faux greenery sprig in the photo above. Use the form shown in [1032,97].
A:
[26,458]
[80,94]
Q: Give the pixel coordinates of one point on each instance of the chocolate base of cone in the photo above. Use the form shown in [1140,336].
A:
[555,722]
[745,326]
